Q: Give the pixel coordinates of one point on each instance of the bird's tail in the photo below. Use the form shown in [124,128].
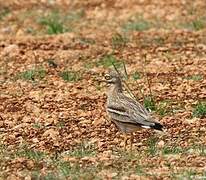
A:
[158,126]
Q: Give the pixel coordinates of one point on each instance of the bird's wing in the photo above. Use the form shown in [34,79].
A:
[129,111]
[138,112]
[119,113]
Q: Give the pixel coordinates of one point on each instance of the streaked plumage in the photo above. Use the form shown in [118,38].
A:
[125,112]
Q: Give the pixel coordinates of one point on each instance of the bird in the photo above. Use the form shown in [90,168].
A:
[125,112]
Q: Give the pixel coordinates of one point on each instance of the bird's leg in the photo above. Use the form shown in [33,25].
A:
[125,141]
[131,141]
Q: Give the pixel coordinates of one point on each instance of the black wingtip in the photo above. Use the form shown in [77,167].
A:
[158,126]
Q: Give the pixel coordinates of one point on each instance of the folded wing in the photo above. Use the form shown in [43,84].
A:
[129,111]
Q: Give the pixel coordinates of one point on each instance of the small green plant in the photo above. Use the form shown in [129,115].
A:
[37,125]
[70,76]
[136,75]
[197,77]
[138,25]
[41,73]
[31,154]
[35,174]
[201,150]
[140,170]
[196,24]
[189,174]
[28,75]
[89,65]
[53,22]
[60,124]
[83,149]
[33,74]
[61,170]
[57,23]
[64,169]
[149,103]
[172,150]
[152,146]
[163,108]
[119,41]
[200,110]
[50,176]
[108,61]
[4,12]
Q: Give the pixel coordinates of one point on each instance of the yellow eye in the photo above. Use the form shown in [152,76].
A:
[107,77]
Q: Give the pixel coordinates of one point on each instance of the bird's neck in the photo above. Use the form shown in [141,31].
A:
[116,88]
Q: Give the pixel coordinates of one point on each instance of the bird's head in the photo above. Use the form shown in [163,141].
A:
[112,78]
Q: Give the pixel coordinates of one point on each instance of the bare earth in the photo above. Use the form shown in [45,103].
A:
[52,128]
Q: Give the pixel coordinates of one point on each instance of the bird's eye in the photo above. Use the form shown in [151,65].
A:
[107,77]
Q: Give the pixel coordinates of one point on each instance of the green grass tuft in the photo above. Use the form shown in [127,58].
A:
[138,25]
[82,150]
[149,103]
[89,65]
[70,76]
[64,169]
[189,174]
[28,75]
[136,75]
[60,124]
[4,12]
[33,74]
[31,154]
[172,150]
[108,61]
[196,24]
[53,22]
[37,126]
[140,170]
[57,23]
[163,108]
[201,149]
[152,146]
[197,77]
[200,110]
